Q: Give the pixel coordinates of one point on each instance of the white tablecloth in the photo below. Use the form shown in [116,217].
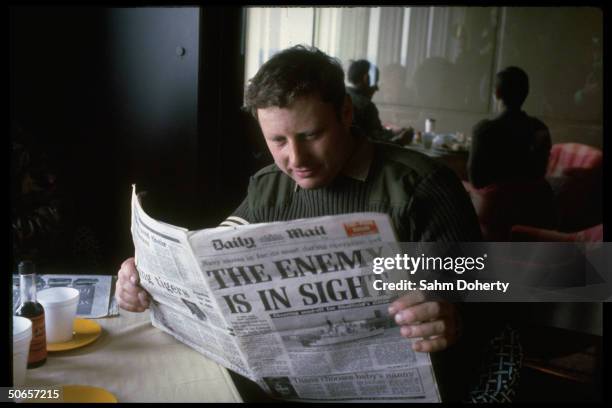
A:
[138,362]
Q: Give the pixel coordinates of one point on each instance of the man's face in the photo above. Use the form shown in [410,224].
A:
[308,141]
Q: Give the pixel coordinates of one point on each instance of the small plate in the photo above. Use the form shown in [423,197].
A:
[86,393]
[85,332]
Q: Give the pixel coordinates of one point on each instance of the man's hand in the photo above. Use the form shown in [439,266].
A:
[129,294]
[438,322]
[405,136]
[402,136]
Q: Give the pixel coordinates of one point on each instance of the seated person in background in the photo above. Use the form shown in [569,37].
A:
[325,166]
[513,146]
[365,113]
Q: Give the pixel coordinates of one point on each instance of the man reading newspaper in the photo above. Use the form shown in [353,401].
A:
[323,166]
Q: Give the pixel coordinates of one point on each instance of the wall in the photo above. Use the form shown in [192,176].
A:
[153,59]
[152,66]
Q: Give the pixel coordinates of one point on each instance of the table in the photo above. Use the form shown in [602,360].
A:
[138,363]
[455,159]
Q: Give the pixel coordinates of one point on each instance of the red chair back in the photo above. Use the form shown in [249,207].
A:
[564,156]
[593,234]
[524,233]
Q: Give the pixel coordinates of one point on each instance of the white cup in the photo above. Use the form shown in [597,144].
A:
[22,336]
[60,306]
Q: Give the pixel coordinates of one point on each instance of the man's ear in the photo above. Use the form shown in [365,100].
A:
[347,112]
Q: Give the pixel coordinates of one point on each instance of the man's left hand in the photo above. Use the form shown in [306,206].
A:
[437,322]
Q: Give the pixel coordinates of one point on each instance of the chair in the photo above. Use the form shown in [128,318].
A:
[575,175]
[524,233]
[500,206]
[566,157]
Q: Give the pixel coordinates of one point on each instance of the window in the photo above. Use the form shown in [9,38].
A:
[421,51]
[444,59]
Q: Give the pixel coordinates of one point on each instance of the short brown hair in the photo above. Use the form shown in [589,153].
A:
[293,73]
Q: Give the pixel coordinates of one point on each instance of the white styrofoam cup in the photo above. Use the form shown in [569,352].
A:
[60,306]
[22,336]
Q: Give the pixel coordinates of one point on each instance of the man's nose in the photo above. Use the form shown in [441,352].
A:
[297,154]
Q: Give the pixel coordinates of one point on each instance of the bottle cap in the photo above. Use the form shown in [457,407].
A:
[26,268]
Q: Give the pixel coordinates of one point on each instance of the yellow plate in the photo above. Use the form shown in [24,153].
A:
[86,393]
[85,332]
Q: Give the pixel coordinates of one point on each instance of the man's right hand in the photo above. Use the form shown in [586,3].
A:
[128,292]
[405,136]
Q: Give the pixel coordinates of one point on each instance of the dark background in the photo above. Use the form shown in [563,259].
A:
[135,95]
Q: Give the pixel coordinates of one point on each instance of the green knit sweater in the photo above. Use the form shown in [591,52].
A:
[426,203]
[425,200]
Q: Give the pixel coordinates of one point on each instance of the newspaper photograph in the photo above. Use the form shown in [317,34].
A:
[289,305]
[94,290]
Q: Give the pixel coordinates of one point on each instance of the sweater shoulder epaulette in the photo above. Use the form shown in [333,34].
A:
[407,160]
[270,187]
[269,170]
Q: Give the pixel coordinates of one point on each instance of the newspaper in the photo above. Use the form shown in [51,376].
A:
[287,304]
[95,292]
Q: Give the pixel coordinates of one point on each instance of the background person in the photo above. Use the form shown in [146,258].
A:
[513,146]
[365,114]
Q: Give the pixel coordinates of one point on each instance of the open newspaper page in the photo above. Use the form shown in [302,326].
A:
[292,302]
[182,304]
